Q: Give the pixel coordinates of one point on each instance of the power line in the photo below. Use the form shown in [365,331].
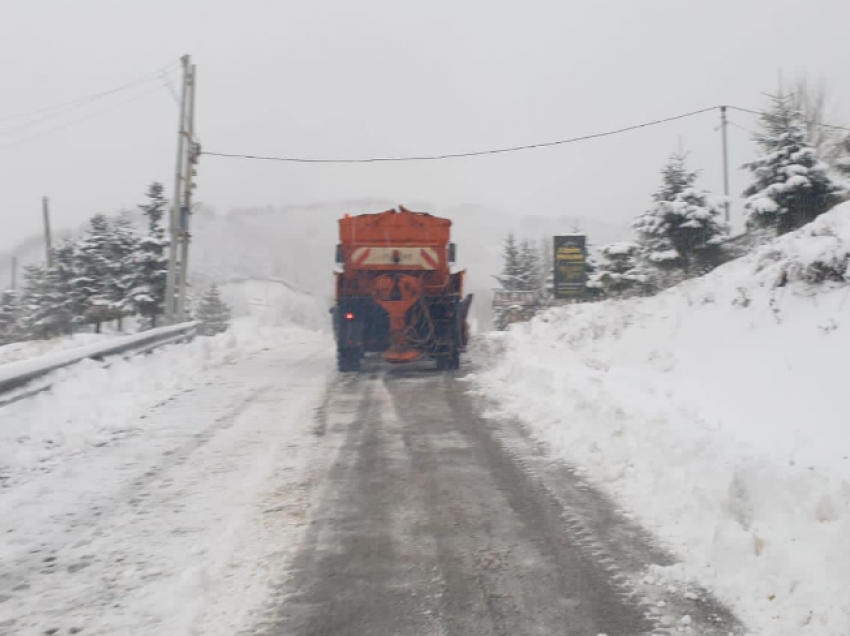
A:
[811,123]
[739,127]
[476,153]
[61,127]
[80,101]
[167,81]
[495,151]
[79,104]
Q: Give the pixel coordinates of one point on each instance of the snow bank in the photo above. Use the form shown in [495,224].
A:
[91,404]
[274,302]
[65,356]
[717,412]
[34,348]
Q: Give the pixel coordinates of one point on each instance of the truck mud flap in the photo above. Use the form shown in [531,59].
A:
[463,314]
[464,307]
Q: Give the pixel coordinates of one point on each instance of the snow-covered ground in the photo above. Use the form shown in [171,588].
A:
[17,351]
[274,302]
[717,413]
[160,495]
[33,348]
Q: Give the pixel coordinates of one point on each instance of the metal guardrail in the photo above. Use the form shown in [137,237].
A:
[16,376]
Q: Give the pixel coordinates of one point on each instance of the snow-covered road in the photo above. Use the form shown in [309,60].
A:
[268,494]
[435,519]
[179,527]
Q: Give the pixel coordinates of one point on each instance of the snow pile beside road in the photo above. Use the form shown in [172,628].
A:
[274,302]
[717,412]
[17,351]
[91,405]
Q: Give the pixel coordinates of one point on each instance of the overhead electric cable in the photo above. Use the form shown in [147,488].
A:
[59,113]
[167,81]
[90,98]
[478,153]
[459,155]
[739,127]
[812,123]
[82,119]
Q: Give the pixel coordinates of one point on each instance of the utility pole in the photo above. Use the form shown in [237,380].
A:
[14,280]
[48,241]
[724,125]
[192,155]
[174,225]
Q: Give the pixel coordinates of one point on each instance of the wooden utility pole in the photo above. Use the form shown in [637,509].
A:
[724,124]
[48,240]
[192,151]
[176,206]
[14,281]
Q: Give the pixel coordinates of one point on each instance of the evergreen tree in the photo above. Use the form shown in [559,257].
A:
[148,293]
[547,272]
[621,273]
[57,303]
[92,285]
[591,268]
[683,228]
[512,269]
[123,252]
[9,316]
[35,314]
[213,314]
[792,185]
[530,274]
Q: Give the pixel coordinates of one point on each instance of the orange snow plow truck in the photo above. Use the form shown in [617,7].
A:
[395,292]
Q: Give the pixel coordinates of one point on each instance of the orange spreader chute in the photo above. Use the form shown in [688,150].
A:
[397,305]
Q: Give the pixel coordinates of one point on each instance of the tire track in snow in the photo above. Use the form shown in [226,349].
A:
[608,538]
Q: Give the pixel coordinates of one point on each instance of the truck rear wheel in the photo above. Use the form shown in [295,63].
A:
[348,360]
[449,362]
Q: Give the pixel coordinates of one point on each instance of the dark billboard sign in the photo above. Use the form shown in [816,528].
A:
[570,259]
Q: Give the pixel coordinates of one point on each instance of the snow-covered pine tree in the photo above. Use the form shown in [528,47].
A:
[9,316]
[547,272]
[792,185]
[34,322]
[621,273]
[591,267]
[529,270]
[512,270]
[58,299]
[148,294]
[683,229]
[93,281]
[123,256]
[213,314]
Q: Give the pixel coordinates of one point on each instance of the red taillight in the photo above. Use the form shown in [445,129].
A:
[349,316]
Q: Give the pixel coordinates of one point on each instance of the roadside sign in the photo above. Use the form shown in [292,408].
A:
[570,266]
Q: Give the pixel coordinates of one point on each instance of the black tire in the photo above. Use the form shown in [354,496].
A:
[348,360]
[449,362]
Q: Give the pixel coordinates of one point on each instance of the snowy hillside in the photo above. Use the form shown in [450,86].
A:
[717,413]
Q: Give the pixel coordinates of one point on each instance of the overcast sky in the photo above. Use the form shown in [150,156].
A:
[391,77]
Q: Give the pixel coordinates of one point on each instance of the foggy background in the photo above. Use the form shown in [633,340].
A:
[382,78]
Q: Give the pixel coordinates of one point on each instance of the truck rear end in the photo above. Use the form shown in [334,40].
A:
[395,292]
